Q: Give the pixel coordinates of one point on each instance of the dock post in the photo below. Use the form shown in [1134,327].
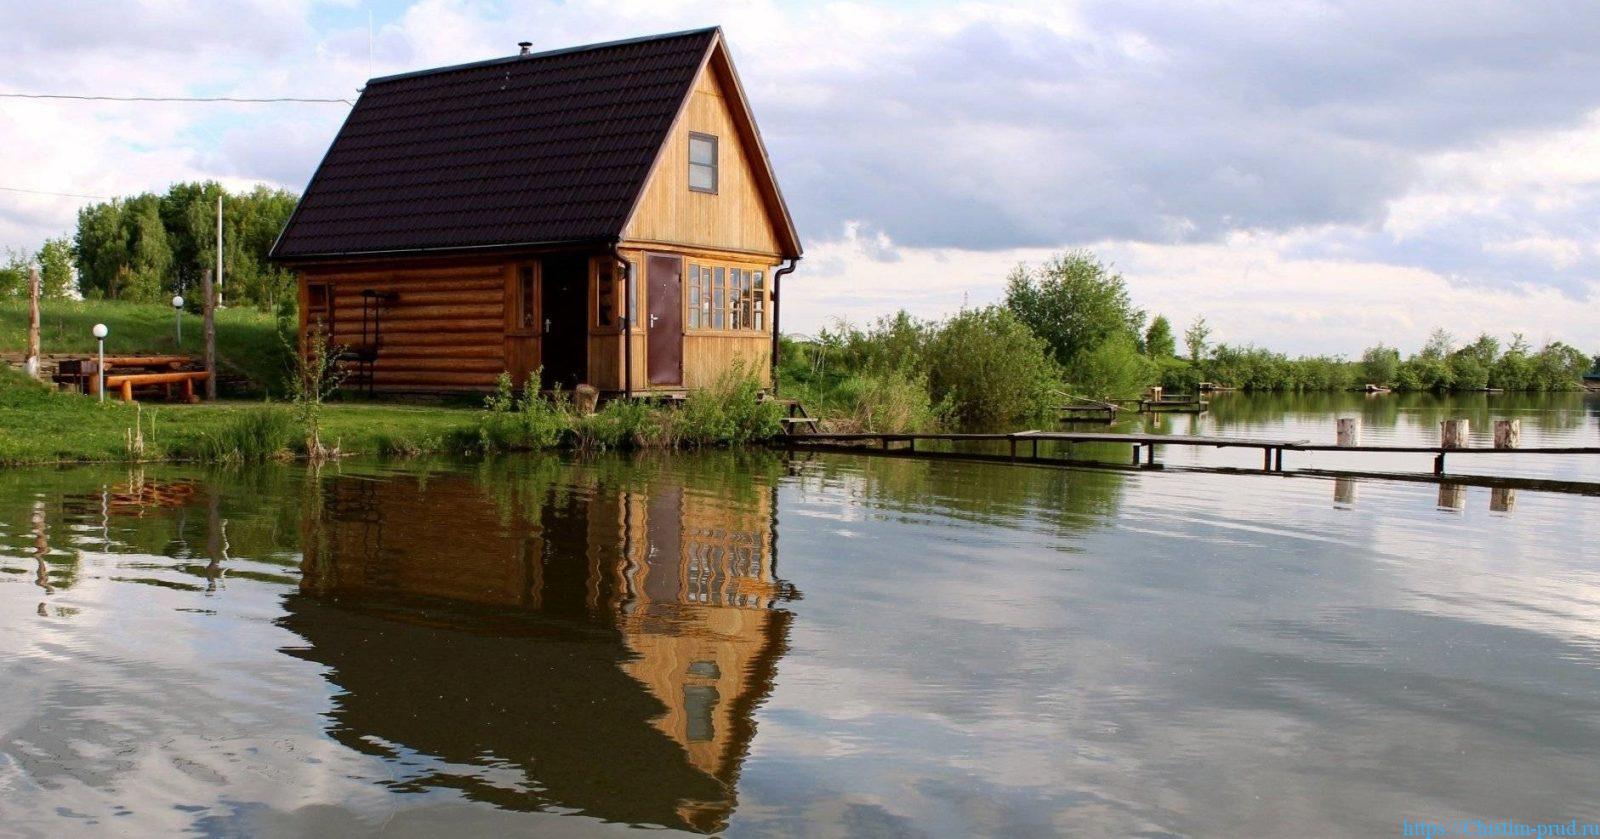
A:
[1150,454]
[1453,434]
[1266,459]
[1135,454]
[1502,500]
[1507,434]
[1349,431]
[1036,448]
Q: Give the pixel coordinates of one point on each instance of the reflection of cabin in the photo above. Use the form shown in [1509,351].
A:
[518,212]
[644,617]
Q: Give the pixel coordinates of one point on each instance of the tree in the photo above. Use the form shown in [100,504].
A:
[1380,365]
[55,268]
[1074,302]
[1159,341]
[148,246]
[1195,338]
[14,273]
[1438,345]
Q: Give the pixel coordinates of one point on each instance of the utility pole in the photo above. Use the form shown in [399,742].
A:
[208,309]
[30,363]
[219,250]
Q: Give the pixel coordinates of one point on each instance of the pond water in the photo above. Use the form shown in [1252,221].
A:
[828,644]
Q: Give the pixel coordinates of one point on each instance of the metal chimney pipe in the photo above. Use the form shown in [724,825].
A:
[527,47]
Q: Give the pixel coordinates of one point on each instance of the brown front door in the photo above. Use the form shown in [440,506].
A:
[664,275]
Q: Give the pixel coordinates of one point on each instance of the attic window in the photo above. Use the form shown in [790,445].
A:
[702,163]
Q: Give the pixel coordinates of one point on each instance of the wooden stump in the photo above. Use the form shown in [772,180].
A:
[1502,500]
[1344,492]
[1349,431]
[1507,434]
[1453,434]
[585,398]
[1452,496]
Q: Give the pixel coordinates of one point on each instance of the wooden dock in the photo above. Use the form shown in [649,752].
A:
[1143,446]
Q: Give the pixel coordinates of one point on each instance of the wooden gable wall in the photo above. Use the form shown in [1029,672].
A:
[736,217]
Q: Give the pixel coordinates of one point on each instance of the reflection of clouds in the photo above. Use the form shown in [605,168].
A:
[1230,655]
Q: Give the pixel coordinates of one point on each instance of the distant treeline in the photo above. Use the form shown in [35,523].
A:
[1068,327]
[147,247]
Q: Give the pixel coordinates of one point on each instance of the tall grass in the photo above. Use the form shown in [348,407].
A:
[254,435]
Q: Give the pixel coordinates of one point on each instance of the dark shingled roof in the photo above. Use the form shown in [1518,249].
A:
[530,149]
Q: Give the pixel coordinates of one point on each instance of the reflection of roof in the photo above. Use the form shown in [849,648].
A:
[546,698]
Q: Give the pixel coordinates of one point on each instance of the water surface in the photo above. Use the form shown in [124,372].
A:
[825,645]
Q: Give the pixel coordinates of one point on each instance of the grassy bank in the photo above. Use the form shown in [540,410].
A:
[247,339]
[40,426]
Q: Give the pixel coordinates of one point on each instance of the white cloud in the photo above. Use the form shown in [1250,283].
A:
[1233,161]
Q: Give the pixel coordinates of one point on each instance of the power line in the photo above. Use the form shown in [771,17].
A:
[61,194]
[241,99]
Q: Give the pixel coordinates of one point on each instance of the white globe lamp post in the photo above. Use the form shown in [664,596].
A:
[177,316]
[100,332]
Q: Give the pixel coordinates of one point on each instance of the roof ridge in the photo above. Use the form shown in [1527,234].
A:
[509,59]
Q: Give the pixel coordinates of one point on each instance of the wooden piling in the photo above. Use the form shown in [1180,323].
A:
[1507,434]
[1349,431]
[1344,492]
[208,309]
[1454,434]
[1502,499]
[1452,497]
[30,364]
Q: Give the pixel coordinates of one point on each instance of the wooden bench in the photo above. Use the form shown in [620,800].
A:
[187,378]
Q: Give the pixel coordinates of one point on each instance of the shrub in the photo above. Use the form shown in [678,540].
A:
[892,401]
[990,370]
[728,412]
[1114,368]
[513,422]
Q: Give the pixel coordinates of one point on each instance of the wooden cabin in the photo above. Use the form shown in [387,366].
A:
[605,213]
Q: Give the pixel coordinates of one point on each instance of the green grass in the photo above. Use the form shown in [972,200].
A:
[247,339]
[40,426]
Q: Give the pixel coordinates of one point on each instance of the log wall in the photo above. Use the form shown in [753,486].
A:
[444,331]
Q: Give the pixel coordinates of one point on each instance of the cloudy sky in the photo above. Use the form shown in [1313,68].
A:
[1310,176]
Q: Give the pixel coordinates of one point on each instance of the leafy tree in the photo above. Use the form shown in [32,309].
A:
[1074,302]
[1380,365]
[1159,342]
[989,370]
[1438,345]
[55,268]
[14,274]
[1194,338]
[147,246]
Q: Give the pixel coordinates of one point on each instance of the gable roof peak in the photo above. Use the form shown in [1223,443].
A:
[550,53]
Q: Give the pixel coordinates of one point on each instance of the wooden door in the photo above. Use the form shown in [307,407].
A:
[664,275]
[522,319]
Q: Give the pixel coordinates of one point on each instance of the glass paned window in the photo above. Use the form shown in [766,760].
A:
[759,303]
[702,163]
[694,297]
[605,304]
[633,294]
[525,303]
[719,305]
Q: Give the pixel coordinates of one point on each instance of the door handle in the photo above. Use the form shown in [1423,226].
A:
[546,324]
[653,321]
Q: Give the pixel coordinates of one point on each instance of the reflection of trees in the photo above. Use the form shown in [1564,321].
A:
[983,493]
[1424,411]
[591,635]
[171,513]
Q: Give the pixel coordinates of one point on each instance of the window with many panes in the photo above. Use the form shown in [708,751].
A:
[726,299]
[702,162]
